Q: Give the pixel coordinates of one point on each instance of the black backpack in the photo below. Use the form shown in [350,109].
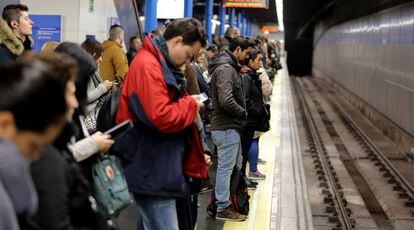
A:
[106,118]
[239,196]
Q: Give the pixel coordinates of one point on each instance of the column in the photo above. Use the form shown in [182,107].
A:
[231,17]
[239,20]
[222,18]
[188,8]
[209,17]
[150,15]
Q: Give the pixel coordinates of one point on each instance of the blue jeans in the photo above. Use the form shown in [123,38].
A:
[229,152]
[253,155]
[156,213]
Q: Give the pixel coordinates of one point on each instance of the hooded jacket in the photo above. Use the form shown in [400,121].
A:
[164,144]
[114,61]
[10,46]
[229,107]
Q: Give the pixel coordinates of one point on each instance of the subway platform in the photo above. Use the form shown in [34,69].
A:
[281,200]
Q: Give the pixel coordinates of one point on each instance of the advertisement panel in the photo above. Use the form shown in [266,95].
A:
[262,4]
[46,28]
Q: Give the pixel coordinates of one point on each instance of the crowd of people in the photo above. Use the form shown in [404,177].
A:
[197,109]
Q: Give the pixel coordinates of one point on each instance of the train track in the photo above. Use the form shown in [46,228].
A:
[401,185]
[337,205]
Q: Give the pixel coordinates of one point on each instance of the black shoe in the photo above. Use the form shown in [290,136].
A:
[250,184]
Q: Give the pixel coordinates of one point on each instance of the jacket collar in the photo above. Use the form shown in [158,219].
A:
[13,44]
[151,45]
[234,61]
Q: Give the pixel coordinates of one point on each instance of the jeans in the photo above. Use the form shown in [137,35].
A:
[228,144]
[253,155]
[247,139]
[156,213]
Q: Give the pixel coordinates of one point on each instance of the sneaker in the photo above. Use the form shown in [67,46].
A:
[260,161]
[205,189]
[230,214]
[257,175]
[250,184]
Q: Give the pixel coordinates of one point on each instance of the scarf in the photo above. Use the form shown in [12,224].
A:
[178,74]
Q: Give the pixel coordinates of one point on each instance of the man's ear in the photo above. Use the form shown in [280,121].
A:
[177,40]
[14,24]
[7,125]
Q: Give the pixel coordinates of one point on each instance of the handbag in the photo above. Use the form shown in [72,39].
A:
[264,125]
[109,187]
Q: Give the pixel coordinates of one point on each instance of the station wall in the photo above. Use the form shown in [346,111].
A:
[77,20]
[373,57]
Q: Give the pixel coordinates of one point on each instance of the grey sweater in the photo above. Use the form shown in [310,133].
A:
[96,89]
[18,198]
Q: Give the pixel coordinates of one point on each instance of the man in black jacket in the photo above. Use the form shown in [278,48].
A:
[15,31]
[228,119]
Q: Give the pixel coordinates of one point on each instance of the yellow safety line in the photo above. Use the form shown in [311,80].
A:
[261,198]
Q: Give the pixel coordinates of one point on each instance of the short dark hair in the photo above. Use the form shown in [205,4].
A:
[213,48]
[229,34]
[115,31]
[13,12]
[131,40]
[240,41]
[29,90]
[253,55]
[92,46]
[190,29]
[64,67]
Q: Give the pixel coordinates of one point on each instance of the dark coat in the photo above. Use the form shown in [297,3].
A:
[131,55]
[10,46]
[254,98]
[229,107]
[63,191]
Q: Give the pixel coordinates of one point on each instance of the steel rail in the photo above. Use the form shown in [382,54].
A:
[322,153]
[345,115]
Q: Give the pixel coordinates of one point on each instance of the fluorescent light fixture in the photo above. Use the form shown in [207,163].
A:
[279,10]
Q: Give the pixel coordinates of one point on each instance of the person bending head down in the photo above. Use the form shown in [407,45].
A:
[32,106]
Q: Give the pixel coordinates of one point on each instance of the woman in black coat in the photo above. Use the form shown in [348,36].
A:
[257,114]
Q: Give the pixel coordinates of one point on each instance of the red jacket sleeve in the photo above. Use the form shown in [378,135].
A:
[166,115]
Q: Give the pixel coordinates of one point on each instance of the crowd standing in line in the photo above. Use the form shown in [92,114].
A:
[191,105]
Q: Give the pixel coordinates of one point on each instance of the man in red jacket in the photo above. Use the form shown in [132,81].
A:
[163,148]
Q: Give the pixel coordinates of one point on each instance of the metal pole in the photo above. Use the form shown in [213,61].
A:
[222,18]
[150,15]
[188,9]
[209,17]
[231,17]
[239,20]
[244,24]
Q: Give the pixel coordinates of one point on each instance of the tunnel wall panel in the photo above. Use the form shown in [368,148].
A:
[373,57]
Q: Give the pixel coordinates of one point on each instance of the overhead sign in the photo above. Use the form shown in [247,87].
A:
[263,4]
[170,9]
[46,28]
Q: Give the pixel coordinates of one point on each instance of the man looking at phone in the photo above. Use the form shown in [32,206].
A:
[164,136]
[228,119]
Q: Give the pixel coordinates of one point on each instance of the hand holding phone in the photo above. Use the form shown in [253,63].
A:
[202,97]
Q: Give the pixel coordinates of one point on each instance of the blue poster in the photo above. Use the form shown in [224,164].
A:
[46,28]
